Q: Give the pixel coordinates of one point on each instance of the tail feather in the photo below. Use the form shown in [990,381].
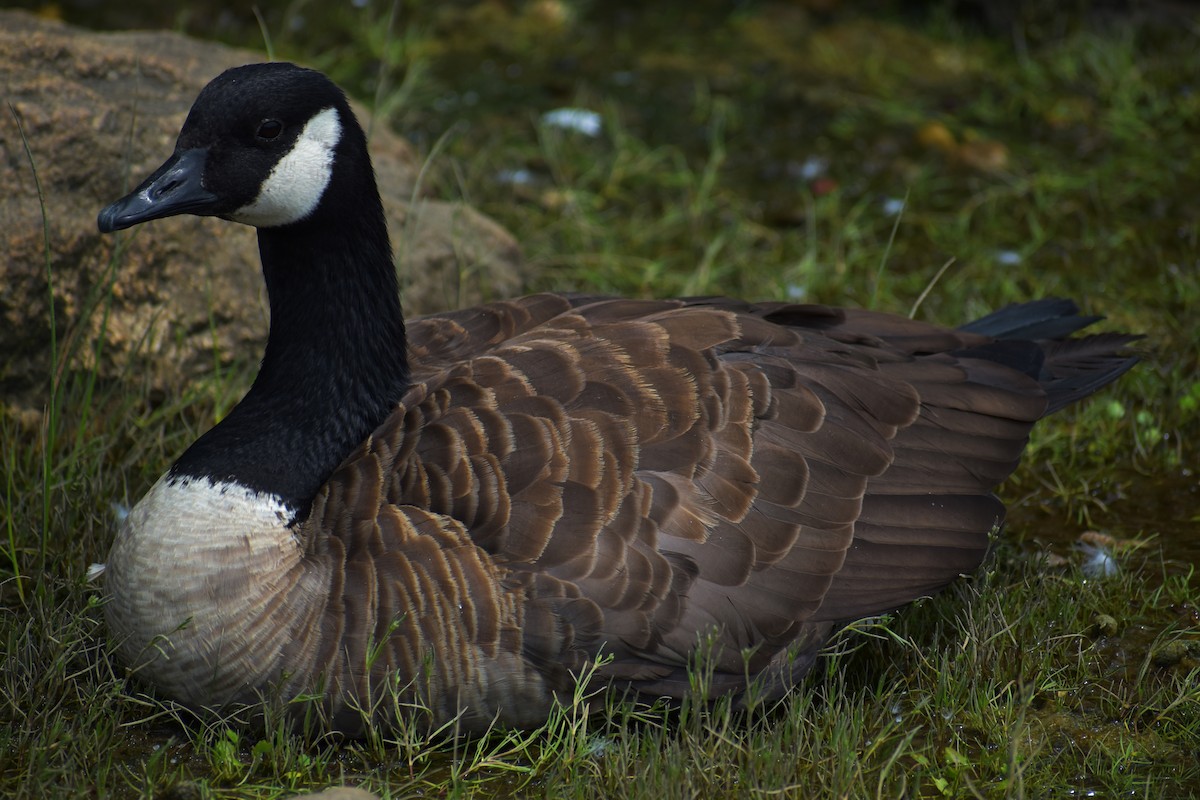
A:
[1032,337]
[1048,318]
[1076,368]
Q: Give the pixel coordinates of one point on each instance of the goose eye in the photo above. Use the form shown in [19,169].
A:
[269,129]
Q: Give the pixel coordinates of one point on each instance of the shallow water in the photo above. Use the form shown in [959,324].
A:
[1159,512]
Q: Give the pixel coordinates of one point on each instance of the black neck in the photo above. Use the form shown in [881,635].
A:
[335,363]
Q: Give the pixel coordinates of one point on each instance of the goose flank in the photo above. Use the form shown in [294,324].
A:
[476,509]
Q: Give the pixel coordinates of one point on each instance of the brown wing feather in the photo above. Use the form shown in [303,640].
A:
[574,476]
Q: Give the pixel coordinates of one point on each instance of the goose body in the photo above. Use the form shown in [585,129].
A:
[477,509]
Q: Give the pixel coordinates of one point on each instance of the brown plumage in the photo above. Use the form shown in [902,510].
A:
[565,478]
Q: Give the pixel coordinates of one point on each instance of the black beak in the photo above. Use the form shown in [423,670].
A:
[174,188]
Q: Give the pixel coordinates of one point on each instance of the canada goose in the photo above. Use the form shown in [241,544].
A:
[492,502]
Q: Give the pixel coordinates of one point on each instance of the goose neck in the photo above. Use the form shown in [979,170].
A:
[335,365]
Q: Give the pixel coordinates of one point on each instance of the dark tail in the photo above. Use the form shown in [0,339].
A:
[1033,337]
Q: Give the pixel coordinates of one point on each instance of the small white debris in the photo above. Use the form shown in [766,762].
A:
[600,746]
[812,168]
[893,206]
[94,571]
[1008,258]
[796,292]
[119,511]
[515,177]
[1098,562]
[579,120]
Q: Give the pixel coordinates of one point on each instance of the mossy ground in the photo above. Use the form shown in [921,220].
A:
[897,160]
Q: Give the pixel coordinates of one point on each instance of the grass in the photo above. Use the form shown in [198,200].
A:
[740,163]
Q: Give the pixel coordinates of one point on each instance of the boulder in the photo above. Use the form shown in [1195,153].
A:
[98,112]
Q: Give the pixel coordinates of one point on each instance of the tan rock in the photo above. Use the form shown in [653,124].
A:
[99,111]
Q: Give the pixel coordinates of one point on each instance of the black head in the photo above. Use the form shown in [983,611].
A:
[258,146]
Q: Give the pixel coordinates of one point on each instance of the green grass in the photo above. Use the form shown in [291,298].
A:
[1028,680]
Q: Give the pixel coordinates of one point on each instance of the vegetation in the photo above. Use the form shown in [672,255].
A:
[934,163]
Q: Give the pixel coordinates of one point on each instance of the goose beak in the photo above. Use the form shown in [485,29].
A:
[174,188]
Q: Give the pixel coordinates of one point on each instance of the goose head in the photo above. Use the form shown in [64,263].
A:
[259,147]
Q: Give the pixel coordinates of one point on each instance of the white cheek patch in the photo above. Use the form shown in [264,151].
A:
[294,188]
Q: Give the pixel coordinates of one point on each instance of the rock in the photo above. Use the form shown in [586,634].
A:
[99,112]
[1172,653]
[1104,625]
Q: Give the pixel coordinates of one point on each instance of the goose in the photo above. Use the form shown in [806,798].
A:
[475,511]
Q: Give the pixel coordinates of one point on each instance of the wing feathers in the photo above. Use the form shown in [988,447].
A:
[572,475]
